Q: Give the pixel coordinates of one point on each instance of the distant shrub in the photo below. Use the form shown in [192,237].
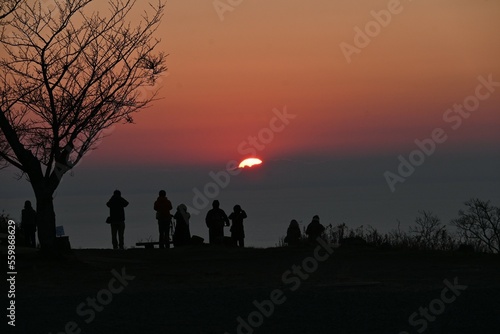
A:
[478,229]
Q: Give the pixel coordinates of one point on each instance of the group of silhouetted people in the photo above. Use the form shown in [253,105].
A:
[181,235]
[216,220]
[313,231]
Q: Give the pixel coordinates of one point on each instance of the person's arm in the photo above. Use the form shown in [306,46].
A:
[243,214]
[124,202]
[224,216]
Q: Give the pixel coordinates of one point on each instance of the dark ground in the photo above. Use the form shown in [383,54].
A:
[205,290]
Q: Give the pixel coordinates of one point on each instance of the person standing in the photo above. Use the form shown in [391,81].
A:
[28,224]
[216,219]
[116,206]
[162,207]
[314,229]
[293,234]
[182,235]
[237,230]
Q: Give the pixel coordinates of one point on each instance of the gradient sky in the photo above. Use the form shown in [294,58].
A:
[225,78]
[352,120]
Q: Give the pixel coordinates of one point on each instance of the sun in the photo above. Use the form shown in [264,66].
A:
[249,162]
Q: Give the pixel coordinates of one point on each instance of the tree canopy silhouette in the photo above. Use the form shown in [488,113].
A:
[66,74]
[7,7]
[479,223]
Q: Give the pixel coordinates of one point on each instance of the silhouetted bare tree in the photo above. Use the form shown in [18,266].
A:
[66,75]
[428,230]
[480,224]
[7,7]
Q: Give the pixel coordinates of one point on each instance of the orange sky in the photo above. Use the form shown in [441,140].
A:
[225,78]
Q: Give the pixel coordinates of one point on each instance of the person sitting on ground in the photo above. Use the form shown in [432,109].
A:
[237,231]
[314,229]
[293,234]
[182,235]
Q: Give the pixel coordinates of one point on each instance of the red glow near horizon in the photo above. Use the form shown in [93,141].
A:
[225,78]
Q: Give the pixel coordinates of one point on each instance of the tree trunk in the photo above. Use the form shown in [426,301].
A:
[46,218]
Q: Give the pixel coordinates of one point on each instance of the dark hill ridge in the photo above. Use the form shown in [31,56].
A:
[275,290]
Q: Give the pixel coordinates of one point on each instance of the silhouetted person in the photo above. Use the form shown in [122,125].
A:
[28,224]
[116,206]
[216,219]
[163,206]
[182,235]
[314,229]
[237,231]
[293,234]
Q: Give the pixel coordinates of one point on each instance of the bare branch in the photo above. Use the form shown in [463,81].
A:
[480,224]
[7,7]
[68,75]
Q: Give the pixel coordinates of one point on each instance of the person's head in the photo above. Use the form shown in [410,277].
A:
[215,204]
[294,223]
[316,218]
[27,205]
[237,208]
[117,193]
[162,193]
[182,208]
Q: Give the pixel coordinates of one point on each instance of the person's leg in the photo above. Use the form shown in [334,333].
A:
[220,235]
[242,242]
[211,236]
[27,239]
[114,231]
[121,233]
[33,238]
[166,237]
[161,231]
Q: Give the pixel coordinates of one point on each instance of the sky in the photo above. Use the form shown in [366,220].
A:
[362,111]
[226,77]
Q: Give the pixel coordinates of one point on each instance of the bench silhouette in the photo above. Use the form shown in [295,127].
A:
[195,240]
[148,245]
